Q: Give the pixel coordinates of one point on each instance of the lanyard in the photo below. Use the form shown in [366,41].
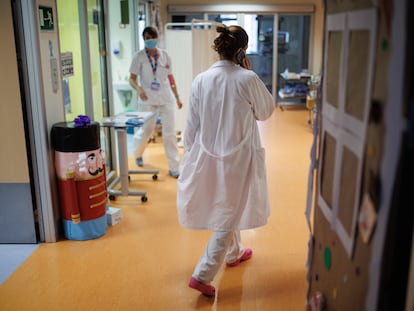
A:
[153,61]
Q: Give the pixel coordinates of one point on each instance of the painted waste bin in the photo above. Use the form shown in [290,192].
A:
[80,169]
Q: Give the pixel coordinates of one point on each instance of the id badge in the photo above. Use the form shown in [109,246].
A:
[155,85]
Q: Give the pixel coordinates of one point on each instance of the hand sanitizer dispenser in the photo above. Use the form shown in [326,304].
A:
[116,47]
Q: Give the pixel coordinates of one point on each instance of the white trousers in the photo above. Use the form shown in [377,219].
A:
[223,245]
[143,133]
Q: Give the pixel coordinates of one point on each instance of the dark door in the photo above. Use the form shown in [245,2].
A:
[17,210]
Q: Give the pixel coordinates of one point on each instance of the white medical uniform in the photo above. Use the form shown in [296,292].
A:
[222,185]
[161,101]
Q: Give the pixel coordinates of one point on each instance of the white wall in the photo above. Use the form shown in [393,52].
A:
[50,52]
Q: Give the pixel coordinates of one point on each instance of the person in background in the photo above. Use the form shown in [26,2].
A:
[151,76]
[223,186]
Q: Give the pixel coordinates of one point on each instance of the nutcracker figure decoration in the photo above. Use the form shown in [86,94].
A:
[80,169]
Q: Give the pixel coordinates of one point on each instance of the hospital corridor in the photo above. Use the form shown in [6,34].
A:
[145,261]
[87,86]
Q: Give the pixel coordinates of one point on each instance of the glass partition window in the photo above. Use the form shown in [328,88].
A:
[262,34]
[187,18]
[226,19]
[288,44]
[293,43]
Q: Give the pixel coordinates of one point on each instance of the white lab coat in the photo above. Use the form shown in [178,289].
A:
[222,185]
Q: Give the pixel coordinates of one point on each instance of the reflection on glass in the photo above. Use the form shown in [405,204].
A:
[226,19]
[328,168]
[356,86]
[346,204]
[260,49]
[333,67]
[293,43]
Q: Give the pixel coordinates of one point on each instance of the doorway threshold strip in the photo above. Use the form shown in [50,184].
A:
[12,256]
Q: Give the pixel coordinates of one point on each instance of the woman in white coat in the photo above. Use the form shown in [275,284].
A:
[222,186]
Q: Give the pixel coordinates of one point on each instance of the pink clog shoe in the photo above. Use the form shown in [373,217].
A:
[207,290]
[246,256]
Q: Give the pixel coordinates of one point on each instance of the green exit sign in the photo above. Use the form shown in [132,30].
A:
[46,18]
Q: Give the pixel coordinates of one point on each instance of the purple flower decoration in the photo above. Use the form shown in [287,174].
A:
[82,120]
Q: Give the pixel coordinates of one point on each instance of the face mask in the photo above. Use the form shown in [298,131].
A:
[150,44]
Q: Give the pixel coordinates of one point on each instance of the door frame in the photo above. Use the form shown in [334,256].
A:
[41,167]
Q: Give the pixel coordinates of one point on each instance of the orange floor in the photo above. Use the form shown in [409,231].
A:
[145,262]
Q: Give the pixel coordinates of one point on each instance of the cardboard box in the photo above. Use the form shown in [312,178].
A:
[114,215]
